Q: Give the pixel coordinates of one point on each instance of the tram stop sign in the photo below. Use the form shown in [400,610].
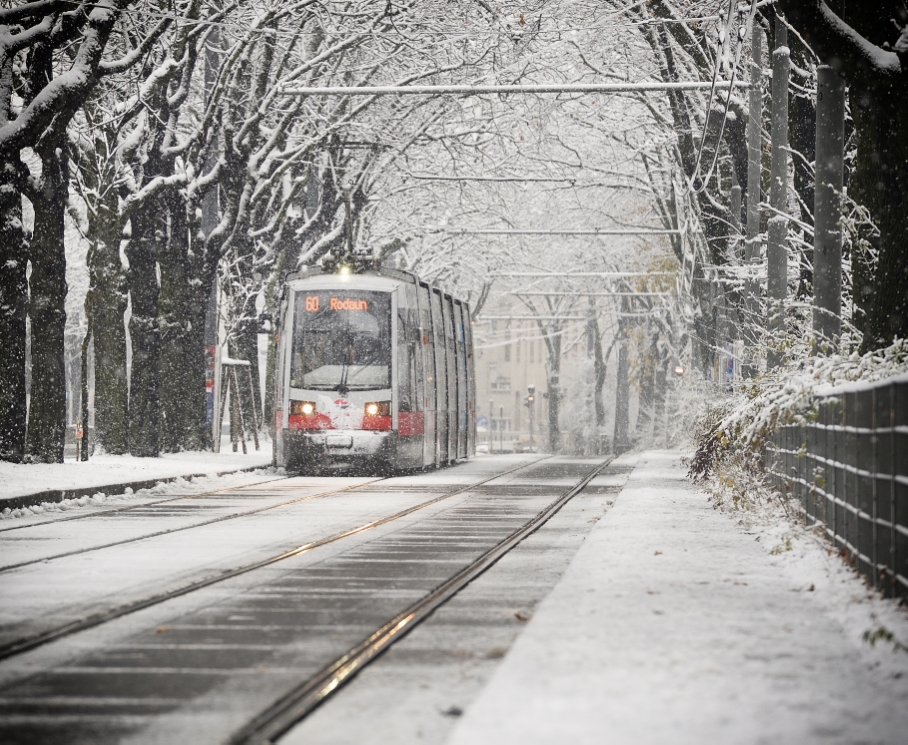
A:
[482,421]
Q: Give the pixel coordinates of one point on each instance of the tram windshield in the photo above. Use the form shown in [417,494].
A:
[341,341]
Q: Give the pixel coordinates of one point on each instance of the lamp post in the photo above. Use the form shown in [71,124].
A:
[501,429]
[491,419]
[531,408]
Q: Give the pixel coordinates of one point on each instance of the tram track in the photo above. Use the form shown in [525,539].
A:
[276,720]
[212,521]
[34,641]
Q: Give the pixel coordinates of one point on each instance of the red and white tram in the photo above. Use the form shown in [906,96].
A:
[373,368]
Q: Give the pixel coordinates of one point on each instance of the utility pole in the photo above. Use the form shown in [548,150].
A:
[776,247]
[827,240]
[731,313]
[754,186]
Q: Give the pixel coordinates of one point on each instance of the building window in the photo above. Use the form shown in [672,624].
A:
[500,384]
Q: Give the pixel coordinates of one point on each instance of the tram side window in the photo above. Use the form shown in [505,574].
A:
[406,367]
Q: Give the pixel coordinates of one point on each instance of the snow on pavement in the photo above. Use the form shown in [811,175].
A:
[102,471]
[674,624]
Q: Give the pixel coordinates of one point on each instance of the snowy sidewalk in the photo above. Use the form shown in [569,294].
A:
[675,624]
[52,482]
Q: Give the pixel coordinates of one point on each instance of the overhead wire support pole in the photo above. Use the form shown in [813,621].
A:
[474,90]
[827,236]
[754,186]
[776,246]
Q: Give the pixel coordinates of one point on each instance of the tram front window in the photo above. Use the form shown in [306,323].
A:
[341,341]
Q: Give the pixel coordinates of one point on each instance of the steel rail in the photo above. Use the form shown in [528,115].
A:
[26,644]
[181,528]
[287,711]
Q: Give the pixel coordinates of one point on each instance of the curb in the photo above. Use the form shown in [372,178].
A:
[58,495]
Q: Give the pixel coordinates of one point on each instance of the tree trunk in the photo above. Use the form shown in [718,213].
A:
[83,392]
[660,429]
[13,312]
[622,401]
[599,370]
[552,374]
[148,231]
[647,371]
[182,308]
[106,305]
[47,409]
[869,50]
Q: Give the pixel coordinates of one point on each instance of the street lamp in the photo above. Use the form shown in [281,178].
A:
[491,419]
[679,370]
[501,429]
[531,407]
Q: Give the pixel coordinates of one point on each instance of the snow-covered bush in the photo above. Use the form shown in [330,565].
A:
[731,433]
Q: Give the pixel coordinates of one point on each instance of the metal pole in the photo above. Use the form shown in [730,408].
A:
[754,185]
[491,419]
[501,429]
[532,411]
[827,241]
[730,312]
[776,248]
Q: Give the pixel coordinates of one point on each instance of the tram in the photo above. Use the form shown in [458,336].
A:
[374,369]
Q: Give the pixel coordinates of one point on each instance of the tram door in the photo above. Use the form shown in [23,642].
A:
[441,380]
[471,382]
[427,342]
[461,360]
[451,367]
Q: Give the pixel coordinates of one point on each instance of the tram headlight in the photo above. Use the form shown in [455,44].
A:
[378,408]
[302,408]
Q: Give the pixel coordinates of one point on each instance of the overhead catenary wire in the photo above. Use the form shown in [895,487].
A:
[475,89]
[602,232]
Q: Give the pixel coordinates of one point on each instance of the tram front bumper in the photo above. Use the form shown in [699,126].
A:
[338,446]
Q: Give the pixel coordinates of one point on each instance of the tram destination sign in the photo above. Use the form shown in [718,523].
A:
[314,304]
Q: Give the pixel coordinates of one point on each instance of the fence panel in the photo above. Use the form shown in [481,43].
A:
[847,469]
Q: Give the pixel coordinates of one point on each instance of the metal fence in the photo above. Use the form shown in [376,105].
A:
[848,471]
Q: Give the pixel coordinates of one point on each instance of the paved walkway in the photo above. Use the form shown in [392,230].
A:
[673,624]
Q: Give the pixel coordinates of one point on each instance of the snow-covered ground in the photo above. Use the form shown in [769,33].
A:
[678,623]
[106,470]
